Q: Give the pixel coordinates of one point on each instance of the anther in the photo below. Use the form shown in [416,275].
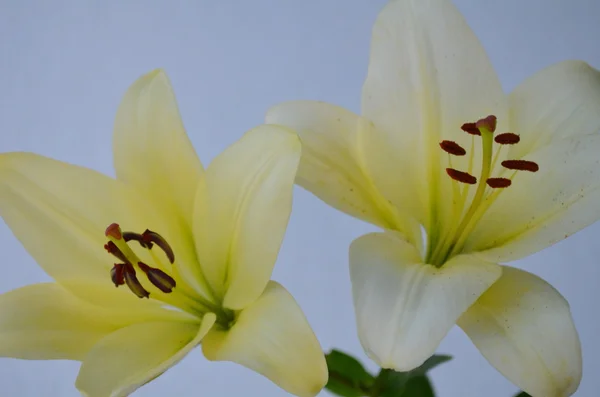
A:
[452,148]
[112,249]
[521,165]
[116,274]
[133,283]
[150,237]
[461,176]
[158,278]
[113,230]
[498,182]
[470,128]
[488,123]
[128,236]
[507,138]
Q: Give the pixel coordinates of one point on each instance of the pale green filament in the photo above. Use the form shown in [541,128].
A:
[451,242]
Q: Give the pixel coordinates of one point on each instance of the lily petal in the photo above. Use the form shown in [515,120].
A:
[331,164]
[59,212]
[133,356]
[119,306]
[428,75]
[524,328]
[45,322]
[273,338]
[151,148]
[558,102]
[243,210]
[51,321]
[542,208]
[153,153]
[404,308]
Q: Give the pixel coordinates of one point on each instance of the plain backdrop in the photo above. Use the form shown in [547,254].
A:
[65,65]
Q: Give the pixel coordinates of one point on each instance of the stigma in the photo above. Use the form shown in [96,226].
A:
[124,272]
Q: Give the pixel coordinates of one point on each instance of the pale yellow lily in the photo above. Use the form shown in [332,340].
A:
[424,155]
[201,244]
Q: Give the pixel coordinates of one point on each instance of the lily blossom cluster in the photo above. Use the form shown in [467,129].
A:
[461,178]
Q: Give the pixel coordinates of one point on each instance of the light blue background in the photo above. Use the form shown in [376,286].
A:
[65,66]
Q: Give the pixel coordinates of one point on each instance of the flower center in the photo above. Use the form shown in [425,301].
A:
[125,272]
[487,186]
[175,294]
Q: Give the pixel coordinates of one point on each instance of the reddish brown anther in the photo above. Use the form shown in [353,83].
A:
[521,165]
[129,236]
[113,230]
[470,128]
[150,237]
[158,278]
[133,283]
[507,138]
[116,274]
[452,148]
[461,176]
[498,182]
[488,123]
[112,249]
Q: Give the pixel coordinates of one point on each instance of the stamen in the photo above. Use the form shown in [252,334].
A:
[158,278]
[152,237]
[128,236]
[498,182]
[521,165]
[124,273]
[116,274]
[112,248]
[133,283]
[461,176]
[488,123]
[452,148]
[507,138]
[451,240]
[470,128]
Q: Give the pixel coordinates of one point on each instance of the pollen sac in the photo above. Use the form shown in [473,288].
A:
[461,176]
[134,284]
[117,275]
[112,249]
[129,236]
[507,138]
[498,182]
[158,278]
[452,148]
[150,237]
[488,123]
[521,165]
[470,128]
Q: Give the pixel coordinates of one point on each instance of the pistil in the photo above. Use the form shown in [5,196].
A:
[486,128]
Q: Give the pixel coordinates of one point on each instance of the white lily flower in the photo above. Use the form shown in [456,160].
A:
[489,177]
